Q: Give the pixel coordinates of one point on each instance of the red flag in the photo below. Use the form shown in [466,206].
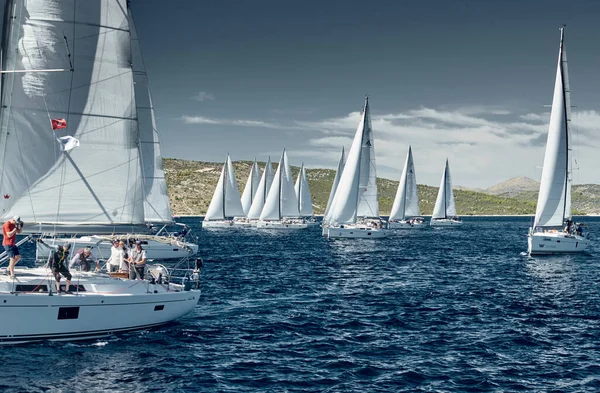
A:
[57,124]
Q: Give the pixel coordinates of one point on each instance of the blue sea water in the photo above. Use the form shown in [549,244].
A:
[447,310]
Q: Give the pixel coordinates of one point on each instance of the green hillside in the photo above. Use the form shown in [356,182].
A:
[192,183]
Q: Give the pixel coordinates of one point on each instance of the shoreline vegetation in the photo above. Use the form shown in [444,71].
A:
[191,185]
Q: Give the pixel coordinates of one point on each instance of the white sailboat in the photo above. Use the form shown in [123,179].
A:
[261,194]
[225,203]
[252,185]
[74,63]
[553,230]
[281,206]
[334,185]
[158,242]
[444,212]
[304,198]
[354,211]
[405,210]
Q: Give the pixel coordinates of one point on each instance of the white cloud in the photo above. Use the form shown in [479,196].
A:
[229,122]
[204,96]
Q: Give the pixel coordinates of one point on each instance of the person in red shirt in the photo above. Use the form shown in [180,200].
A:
[9,231]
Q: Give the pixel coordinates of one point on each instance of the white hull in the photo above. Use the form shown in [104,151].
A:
[243,224]
[102,307]
[541,243]
[354,231]
[280,225]
[157,247]
[217,224]
[405,225]
[444,222]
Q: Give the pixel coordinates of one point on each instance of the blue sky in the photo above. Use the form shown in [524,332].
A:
[467,80]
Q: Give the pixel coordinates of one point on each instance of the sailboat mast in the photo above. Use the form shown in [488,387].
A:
[566,130]
[225,169]
[445,190]
[300,188]
[280,179]
[360,155]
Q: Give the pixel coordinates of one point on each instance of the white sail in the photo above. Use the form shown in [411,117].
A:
[555,183]
[356,193]
[368,201]
[444,204]
[303,193]
[157,208]
[261,193]
[336,181]
[225,202]
[406,203]
[98,182]
[251,188]
[281,200]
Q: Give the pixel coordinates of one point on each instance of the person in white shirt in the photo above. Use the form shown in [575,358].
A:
[117,257]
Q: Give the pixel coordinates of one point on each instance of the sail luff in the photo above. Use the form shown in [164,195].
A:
[554,185]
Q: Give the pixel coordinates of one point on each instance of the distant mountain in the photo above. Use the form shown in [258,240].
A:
[513,187]
[191,185]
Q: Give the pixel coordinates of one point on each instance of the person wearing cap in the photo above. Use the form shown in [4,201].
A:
[9,231]
[59,265]
[137,259]
[83,258]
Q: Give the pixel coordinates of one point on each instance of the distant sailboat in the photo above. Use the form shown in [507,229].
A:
[304,198]
[281,206]
[248,195]
[261,194]
[354,211]
[444,212]
[405,210]
[336,181]
[553,230]
[225,203]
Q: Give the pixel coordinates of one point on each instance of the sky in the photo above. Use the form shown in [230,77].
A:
[470,81]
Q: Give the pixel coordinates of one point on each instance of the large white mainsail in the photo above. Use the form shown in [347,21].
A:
[281,200]
[336,181]
[444,204]
[157,208]
[261,193]
[225,202]
[554,199]
[251,187]
[406,203]
[98,182]
[356,194]
[303,193]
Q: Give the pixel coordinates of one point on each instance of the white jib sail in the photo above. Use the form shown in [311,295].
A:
[336,181]
[303,194]
[444,204]
[251,188]
[261,193]
[406,202]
